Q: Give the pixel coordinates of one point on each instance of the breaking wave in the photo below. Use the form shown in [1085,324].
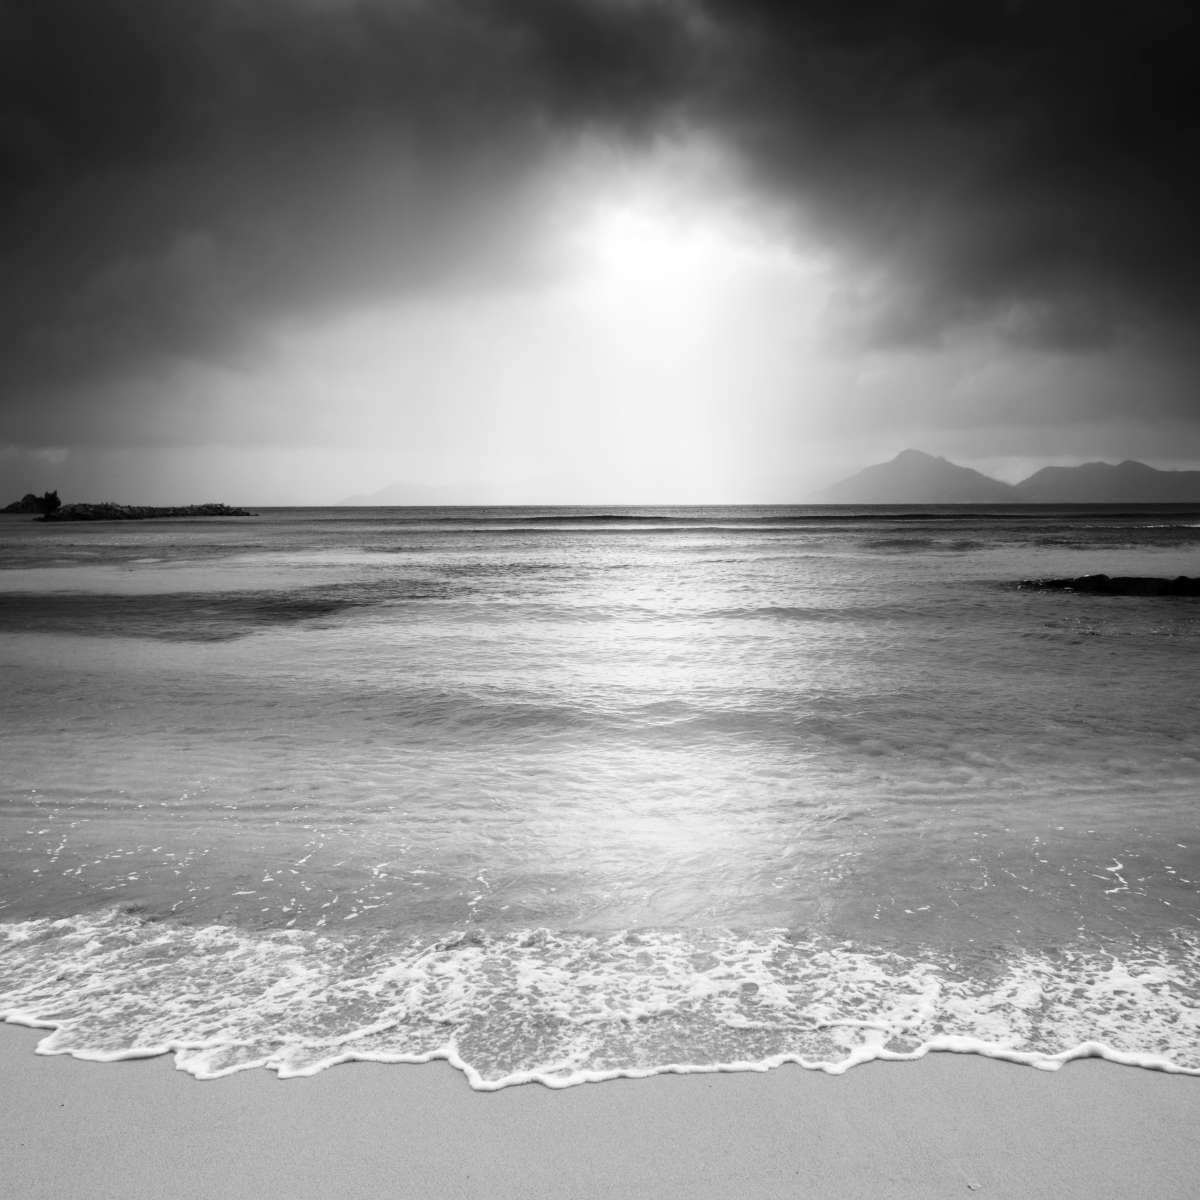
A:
[568,1007]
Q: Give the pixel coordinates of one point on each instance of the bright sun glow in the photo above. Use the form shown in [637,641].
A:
[643,246]
[676,243]
[650,256]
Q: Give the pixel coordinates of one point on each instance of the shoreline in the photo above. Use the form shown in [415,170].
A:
[947,1125]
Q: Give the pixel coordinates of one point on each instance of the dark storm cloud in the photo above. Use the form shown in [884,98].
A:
[993,154]
[177,173]
[180,173]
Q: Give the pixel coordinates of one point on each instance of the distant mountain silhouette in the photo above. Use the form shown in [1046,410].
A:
[913,477]
[1102,483]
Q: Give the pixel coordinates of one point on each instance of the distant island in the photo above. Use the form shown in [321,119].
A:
[49,507]
[1127,482]
[913,477]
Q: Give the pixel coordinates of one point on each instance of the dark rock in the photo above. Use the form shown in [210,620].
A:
[1120,585]
[48,502]
[28,503]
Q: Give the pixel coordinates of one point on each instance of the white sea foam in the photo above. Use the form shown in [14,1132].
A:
[564,1008]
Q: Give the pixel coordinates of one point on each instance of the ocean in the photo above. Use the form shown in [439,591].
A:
[570,794]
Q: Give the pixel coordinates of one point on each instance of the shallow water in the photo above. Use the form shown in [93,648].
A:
[560,794]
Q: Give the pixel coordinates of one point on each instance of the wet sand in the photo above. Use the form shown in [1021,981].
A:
[950,1125]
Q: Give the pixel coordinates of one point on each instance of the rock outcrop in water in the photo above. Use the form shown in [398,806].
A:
[48,502]
[140,512]
[1121,585]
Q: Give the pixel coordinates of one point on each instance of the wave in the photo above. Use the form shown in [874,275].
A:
[500,593]
[816,613]
[910,544]
[661,526]
[919,544]
[615,518]
[562,1008]
[198,616]
[750,515]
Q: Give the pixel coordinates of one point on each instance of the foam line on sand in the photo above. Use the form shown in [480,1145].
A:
[949,1125]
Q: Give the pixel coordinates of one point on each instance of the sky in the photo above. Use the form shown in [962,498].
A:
[589,251]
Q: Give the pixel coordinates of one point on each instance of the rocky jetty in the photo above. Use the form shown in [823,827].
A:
[140,512]
[1121,585]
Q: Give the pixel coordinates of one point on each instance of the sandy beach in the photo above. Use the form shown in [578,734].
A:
[951,1125]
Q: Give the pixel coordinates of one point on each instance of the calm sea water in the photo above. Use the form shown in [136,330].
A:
[565,794]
